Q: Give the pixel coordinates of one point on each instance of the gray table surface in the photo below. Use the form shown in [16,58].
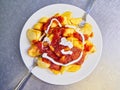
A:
[13,15]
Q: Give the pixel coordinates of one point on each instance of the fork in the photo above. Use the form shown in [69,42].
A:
[27,75]
[87,11]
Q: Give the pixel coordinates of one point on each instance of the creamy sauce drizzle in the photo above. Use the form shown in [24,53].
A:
[57,63]
[46,39]
[65,42]
[54,19]
[66,52]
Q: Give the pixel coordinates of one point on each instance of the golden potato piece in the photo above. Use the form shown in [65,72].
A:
[33,51]
[33,34]
[42,64]
[76,21]
[68,32]
[76,42]
[38,26]
[55,71]
[43,19]
[53,25]
[93,49]
[70,68]
[50,37]
[64,69]
[67,14]
[87,29]
[65,21]
[90,47]
[73,68]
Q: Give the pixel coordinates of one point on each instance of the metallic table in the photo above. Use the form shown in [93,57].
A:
[13,15]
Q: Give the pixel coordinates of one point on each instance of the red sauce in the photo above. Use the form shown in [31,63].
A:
[55,67]
[80,62]
[92,34]
[60,19]
[46,60]
[76,53]
[77,35]
[87,48]
[39,45]
[86,36]
[66,60]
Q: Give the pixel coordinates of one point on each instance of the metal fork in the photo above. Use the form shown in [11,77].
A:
[27,75]
[87,11]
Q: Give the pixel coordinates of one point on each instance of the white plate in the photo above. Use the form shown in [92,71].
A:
[67,78]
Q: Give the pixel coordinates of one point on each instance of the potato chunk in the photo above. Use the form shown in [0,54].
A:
[67,14]
[89,47]
[70,68]
[68,32]
[73,68]
[56,72]
[64,69]
[42,64]
[33,34]
[87,29]
[33,51]
[75,21]
[38,26]
[75,42]
[43,20]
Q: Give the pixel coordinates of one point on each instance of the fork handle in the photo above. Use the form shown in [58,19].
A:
[88,9]
[23,80]
[90,5]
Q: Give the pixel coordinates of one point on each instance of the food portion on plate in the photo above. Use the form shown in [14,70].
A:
[59,44]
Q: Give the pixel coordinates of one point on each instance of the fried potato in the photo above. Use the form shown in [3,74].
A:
[64,69]
[53,25]
[65,21]
[75,21]
[43,20]
[70,68]
[87,29]
[67,14]
[93,49]
[68,32]
[73,68]
[56,72]
[50,37]
[33,34]
[38,26]
[33,51]
[90,48]
[75,42]
[42,64]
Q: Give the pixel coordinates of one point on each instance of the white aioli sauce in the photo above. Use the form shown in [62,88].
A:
[66,52]
[54,19]
[46,39]
[63,42]
[57,63]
